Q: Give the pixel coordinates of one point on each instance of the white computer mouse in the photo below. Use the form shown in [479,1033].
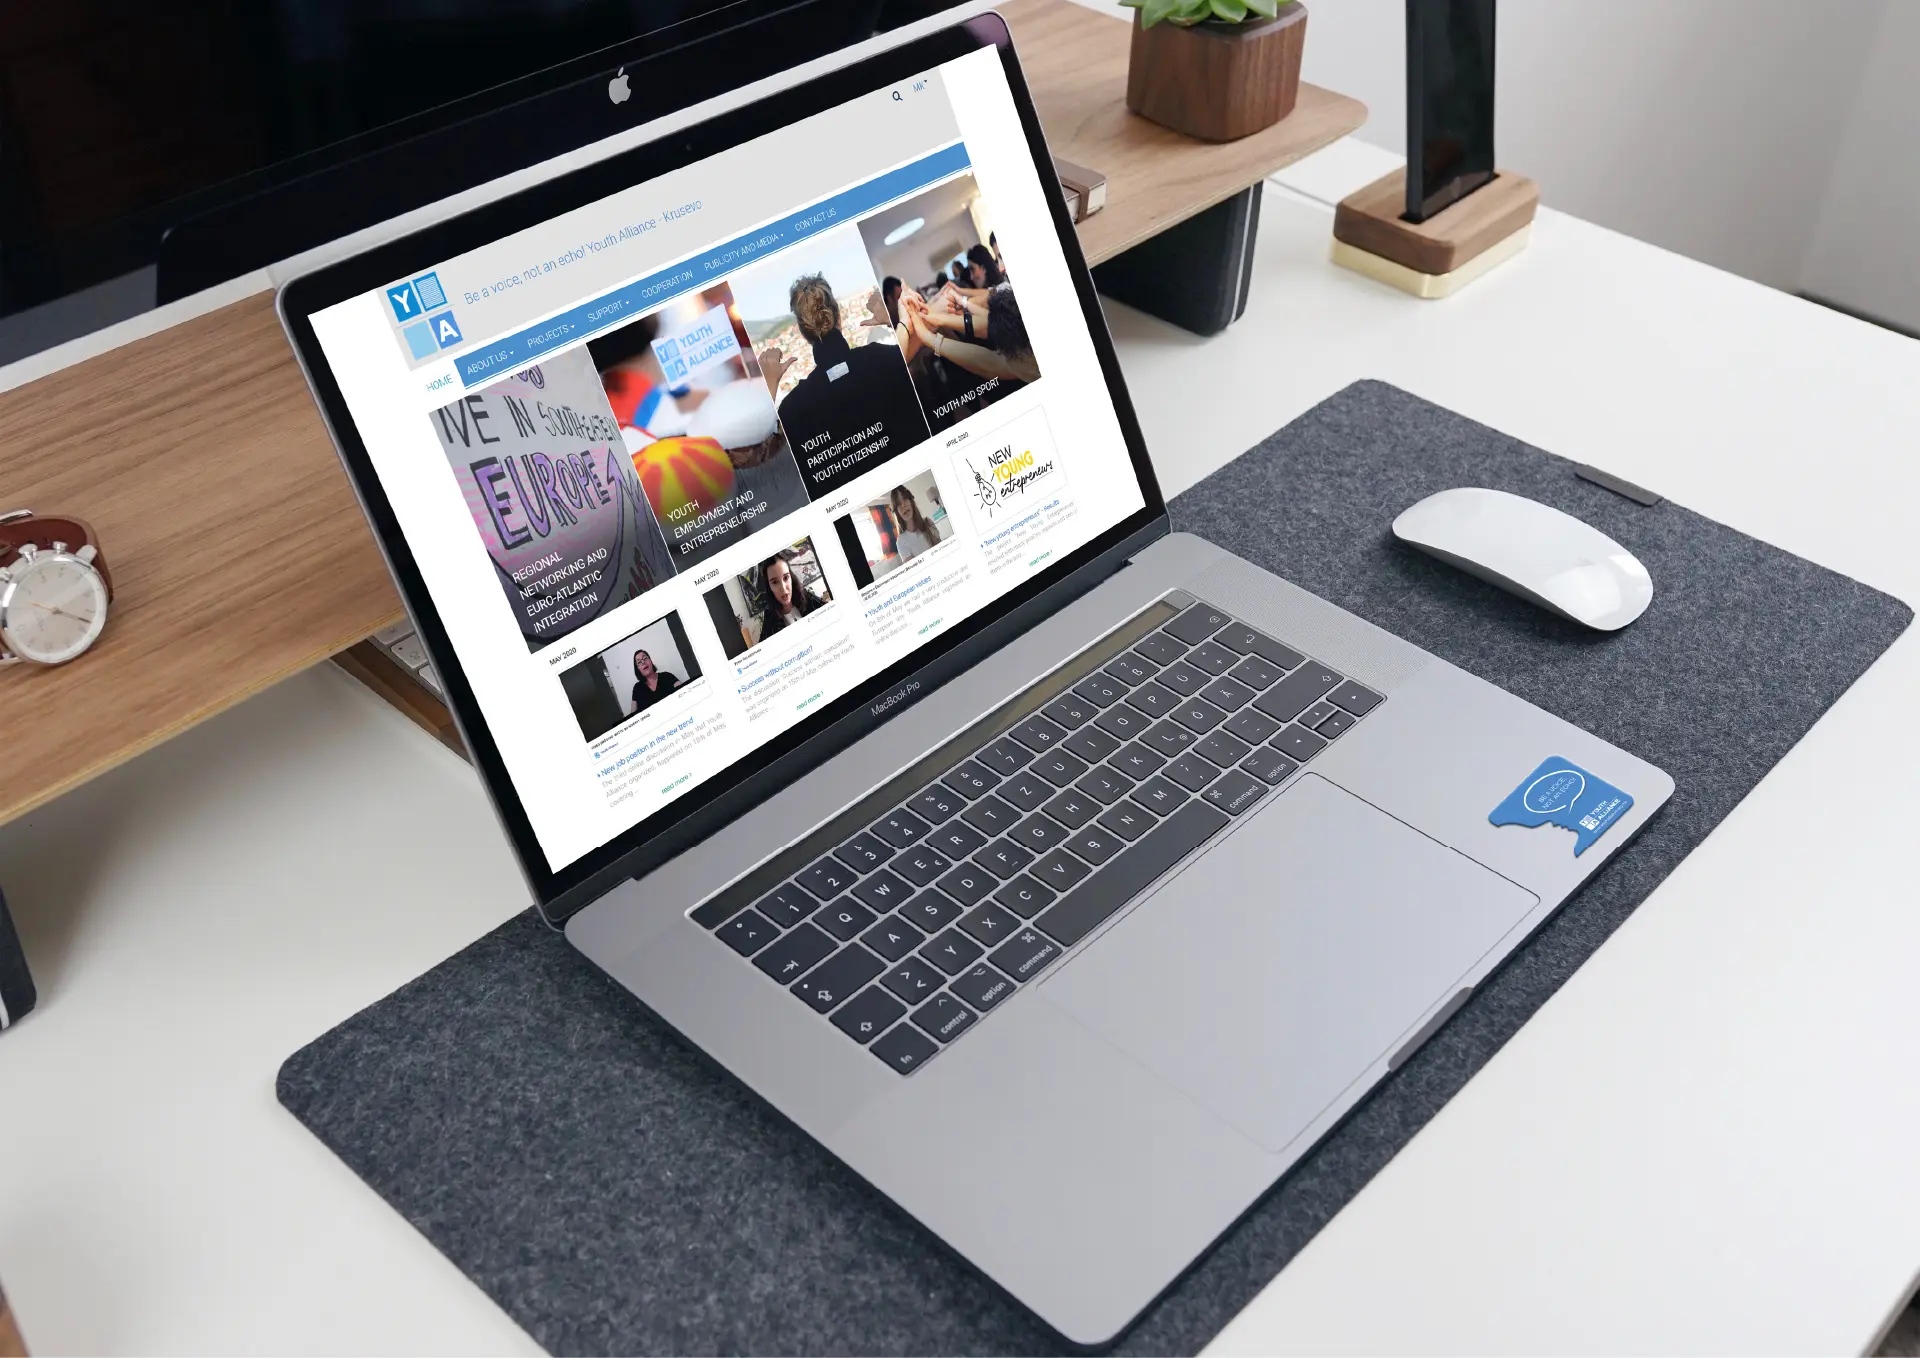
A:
[1532,550]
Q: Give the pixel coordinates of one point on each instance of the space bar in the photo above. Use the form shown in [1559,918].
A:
[1082,910]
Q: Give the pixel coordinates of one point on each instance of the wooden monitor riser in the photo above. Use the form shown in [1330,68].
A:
[239,554]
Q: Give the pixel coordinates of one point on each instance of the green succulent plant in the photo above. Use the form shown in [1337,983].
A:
[1186,13]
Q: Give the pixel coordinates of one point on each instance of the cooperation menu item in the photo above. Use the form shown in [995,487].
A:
[553,495]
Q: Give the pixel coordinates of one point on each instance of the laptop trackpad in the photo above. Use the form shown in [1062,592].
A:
[1271,973]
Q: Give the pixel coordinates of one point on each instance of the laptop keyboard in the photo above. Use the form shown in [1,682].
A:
[907,919]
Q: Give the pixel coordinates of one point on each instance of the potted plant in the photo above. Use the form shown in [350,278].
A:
[1215,69]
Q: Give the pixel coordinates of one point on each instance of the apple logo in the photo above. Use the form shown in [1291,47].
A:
[617,87]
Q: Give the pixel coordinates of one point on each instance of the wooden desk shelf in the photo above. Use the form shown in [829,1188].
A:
[239,554]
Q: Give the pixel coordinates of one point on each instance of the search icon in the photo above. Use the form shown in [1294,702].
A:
[896,96]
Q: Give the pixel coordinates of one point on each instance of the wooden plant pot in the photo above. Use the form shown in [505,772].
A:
[1218,82]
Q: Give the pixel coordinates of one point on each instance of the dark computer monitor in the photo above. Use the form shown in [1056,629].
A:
[149,150]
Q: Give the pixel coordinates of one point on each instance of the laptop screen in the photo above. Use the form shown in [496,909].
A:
[683,466]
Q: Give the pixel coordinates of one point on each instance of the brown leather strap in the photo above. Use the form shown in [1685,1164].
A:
[43,530]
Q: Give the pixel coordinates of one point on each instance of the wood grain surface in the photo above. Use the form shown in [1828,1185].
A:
[238,551]
[1218,83]
[11,1344]
[1369,219]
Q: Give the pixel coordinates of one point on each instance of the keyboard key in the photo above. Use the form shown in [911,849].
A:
[1060,870]
[936,804]
[1059,768]
[1235,791]
[844,918]
[1137,761]
[953,952]
[716,910]
[868,1014]
[1191,772]
[920,865]
[1091,744]
[981,986]
[1260,644]
[1251,726]
[1222,749]
[1161,796]
[795,955]
[1356,698]
[1298,743]
[1212,657]
[912,980]
[1168,739]
[989,924]
[990,816]
[1038,734]
[1199,716]
[1227,694]
[1316,714]
[1096,844]
[1125,722]
[969,883]
[1236,636]
[787,905]
[893,938]
[1038,833]
[1026,790]
[1104,785]
[1025,897]
[748,932]
[956,839]
[1070,711]
[882,891]
[1072,809]
[1131,669]
[899,829]
[1197,624]
[1297,692]
[1079,913]
[1025,955]
[838,979]
[827,878]
[1003,858]
[1256,673]
[1099,689]
[1161,648]
[1154,699]
[905,1048]
[972,779]
[1005,756]
[930,911]
[1335,724]
[1270,766]
[1127,820]
[1185,679]
[864,852]
[944,1017]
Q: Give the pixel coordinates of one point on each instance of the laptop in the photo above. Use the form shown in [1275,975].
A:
[770,507]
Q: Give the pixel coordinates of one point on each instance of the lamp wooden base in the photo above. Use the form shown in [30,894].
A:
[1443,254]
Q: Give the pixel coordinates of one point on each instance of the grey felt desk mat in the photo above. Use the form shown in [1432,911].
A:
[616,1193]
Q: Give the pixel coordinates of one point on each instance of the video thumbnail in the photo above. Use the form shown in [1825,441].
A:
[635,673]
[770,597]
[884,534]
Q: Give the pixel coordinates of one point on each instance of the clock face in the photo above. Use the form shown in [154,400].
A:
[52,610]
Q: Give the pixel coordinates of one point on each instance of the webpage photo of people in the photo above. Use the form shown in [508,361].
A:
[687,393]
[831,358]
[634,674]
[947,290]
[893,528]
[768,598]
[553,496]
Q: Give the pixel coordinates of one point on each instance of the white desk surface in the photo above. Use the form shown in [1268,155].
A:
[1704,1142]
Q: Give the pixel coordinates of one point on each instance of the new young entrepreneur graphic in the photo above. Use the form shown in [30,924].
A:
[696,469]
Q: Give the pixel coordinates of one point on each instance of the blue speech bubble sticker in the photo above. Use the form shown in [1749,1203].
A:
[1562,793]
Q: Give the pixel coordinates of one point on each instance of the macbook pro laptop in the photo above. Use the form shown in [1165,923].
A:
[771,509]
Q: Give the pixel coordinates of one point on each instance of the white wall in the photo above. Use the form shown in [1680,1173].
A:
[1865,252]
[1705,126]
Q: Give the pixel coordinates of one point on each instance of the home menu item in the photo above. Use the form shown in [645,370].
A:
[686,466]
